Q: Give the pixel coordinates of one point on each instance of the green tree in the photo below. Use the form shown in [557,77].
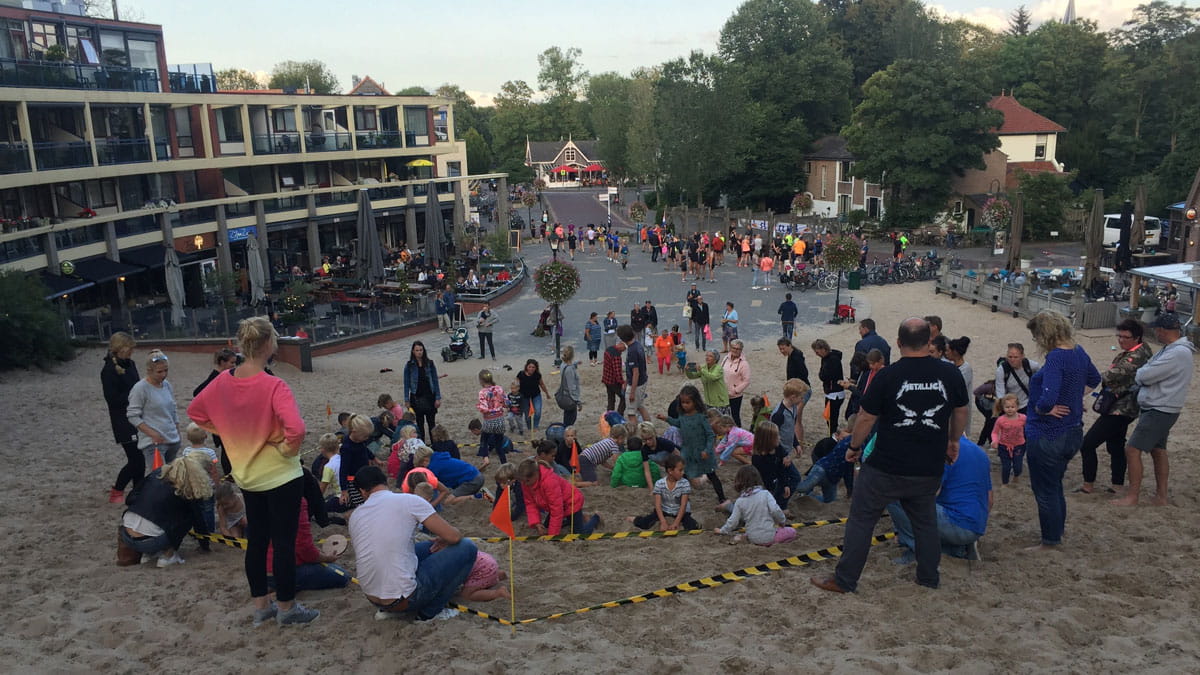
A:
[33,332]
[611,111]
[919,125]
[1046,197]
[299,74]
[875,33]
[1019,22]
[516,119]
[642,134]
[694,126]
[467,115]
[479,155]
[414,90]
[237,78]
[561,77]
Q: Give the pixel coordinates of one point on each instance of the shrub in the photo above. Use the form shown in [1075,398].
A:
[31,330]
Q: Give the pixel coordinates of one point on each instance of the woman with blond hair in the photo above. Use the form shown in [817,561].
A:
[1054,425]
[117,377]
[162,508]
[260,424]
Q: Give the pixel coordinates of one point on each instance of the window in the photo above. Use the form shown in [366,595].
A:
[808,168]
[845,169]
[13,43]
[45,36]
[230,125]
[454,168]
[283,119]
[416,126]
[843,204]
[102,193]
[365,118]
[569,155]
[958,207]
[873,208]
[143,54]
[80,45]
[112,49]
[824,182]
[1039,150]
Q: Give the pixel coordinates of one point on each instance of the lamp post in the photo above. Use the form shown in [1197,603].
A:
[554,243]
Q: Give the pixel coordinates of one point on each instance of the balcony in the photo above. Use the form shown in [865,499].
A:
[122,150]
[52,155]
[19,249]
[56,75]
[279,143]
[328,142]
[189,83]
[14,157]
[414,140]
[371,140]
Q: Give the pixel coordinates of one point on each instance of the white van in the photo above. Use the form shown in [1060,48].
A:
[1112,231]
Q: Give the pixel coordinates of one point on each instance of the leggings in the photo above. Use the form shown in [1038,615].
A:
[664,361]
[134,469]
[716,483]
[426,419]
[735,410]
[273,516]
[486,337]
[1110,430]
[615,392]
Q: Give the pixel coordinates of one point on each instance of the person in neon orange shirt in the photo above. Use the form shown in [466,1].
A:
[664,346]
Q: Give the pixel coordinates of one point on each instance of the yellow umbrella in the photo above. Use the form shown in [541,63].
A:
[420,162]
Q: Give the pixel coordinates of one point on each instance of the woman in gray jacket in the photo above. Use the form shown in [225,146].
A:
[569,397]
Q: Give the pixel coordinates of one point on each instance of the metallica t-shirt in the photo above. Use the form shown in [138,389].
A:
[913,399]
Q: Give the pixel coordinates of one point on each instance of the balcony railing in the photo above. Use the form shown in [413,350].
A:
[328,142]
[14,157]
[19,249]
[122,150]
[188,83]
[79,236]
[50,74]
[52,155]
[414,140]
[369,140]
[282,142]
[137,225]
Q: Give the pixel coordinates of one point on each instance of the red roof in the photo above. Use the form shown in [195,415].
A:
[1021,120]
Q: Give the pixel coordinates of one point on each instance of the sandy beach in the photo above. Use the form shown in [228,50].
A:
[1119,595]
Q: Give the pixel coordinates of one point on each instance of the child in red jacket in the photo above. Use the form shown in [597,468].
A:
[548,493]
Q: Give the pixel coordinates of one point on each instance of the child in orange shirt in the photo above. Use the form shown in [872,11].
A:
[664,346]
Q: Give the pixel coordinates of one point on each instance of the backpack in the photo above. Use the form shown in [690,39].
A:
[1008,370]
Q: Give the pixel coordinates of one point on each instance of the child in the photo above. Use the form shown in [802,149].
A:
[663,346]
[757,509]
[440,441]
[599,453]
[562,455]
[461,478]
[1008,436]
[633,469]
[341,432]
[502,449]
[696,438]
[492,404]
[829,464]
[420,475]
[759,412]
[672,494]
[506,479]
[231,510]
[515,418]
[547,492]
[483,584]
[680,348]
[355,455]
[547,451]
[774,463]
[735,443]
[208,458]
[400,461]
[386,402]
[328,446]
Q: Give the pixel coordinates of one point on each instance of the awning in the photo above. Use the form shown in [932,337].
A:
[60,285]
[594,168]
[100,270]
[564,167]
[151,257]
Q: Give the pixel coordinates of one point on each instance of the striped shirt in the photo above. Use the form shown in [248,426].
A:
[600,451]
[671,496]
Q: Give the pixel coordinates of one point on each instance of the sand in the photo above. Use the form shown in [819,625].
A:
[1118,595]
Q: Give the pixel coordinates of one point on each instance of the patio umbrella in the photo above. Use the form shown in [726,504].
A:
[1018,231]
[420,162]
[174,278]
[1124,252]
[369,252]
[1093,239]
[564,169]
[594,168]
[256,271]
[435,249]
[1137,234]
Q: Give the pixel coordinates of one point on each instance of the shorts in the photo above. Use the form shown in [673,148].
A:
[1153,427]
[587,470]
[469,487]
[484,574]
[640,400]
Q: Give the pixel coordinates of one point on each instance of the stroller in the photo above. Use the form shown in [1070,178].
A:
[459,347]
[845,313]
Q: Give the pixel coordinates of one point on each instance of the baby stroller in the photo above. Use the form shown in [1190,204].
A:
[845,313]
[459,347]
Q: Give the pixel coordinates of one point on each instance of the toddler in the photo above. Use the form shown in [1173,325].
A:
[231,510]
[208,458]
[515,419]
[1009,437]
[735,443]
[506,479]
[680,348]
[331,489]
[672,497]
[401,459]
[388,404]
[355,455]
[757,510]
[760,410]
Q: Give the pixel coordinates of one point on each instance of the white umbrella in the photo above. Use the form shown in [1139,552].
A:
[174,278]
[258,275]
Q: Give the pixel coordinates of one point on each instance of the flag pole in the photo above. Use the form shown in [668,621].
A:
[512,588]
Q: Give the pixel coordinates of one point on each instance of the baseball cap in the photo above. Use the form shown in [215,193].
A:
[1166,321]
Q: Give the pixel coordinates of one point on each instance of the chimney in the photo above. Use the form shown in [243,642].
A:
[354,80]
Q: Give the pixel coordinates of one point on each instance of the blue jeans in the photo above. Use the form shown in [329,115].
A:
[1048,459]
[815,479]
[439,576]
[145,545]
[534,421]
[955,539]
[755,281]
[318,577]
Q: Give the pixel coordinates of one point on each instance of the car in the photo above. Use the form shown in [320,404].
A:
[1112,231]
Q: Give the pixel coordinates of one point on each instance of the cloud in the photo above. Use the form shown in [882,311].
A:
[1107,13]
[483,99]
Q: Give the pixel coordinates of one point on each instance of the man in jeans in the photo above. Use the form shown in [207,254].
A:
[635,370]
[920,405]
[395,574]
[963,505]
[612,376]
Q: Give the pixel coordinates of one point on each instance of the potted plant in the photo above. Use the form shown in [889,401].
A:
[802,203]
[1149,304]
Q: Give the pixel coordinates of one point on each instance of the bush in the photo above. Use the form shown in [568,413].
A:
[32,331]
[650,199]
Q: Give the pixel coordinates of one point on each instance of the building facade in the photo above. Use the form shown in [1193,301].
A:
[107,157]
[834,189]
[568,163]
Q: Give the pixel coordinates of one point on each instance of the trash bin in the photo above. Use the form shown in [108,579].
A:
[854,280]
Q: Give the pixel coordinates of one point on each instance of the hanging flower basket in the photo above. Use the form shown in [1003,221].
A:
[802,203]
[637,211]
[997,213]
[556,281]
[842,253]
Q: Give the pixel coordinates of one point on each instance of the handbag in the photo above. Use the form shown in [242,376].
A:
[687,311]
[1106,401]
[563,397]
[707,332]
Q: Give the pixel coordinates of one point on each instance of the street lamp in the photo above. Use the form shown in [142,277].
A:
[554,243]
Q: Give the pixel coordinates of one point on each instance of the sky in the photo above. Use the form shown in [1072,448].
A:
[479,45]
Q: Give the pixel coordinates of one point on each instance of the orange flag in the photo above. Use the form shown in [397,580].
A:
[328,410]
[575,457]
[502,514]
[158,459]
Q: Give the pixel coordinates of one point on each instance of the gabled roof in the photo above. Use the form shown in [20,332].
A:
[542,152]
[368,87]
[1021,120]
[1014,170]
[831,147]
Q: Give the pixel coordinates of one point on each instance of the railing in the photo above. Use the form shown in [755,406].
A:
[370,140]
[414,140]
[285,203]
[52,155]
[281,142]
[56,75]
[328,142]
[137,225]
[122,150]
[332,198]
[14,157]
[188,83]
[79,236]
[19,249]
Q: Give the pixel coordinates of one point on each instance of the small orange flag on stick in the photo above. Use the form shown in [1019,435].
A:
[328,410]
[574,457]
[502,514]
[158,460]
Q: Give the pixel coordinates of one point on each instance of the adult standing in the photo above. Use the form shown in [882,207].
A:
[1054,423]
[1117,405]
[1012,377]
[484,325]
[1164,382]
[712,379]
[729,327]
[421,390]
[796,367]
[118,375]
[637,321]
[700,322]
[831,376]
[446,306]
[152,411]
[650,316]
[569,397]
[257,416]
[787,316]
[956,352]
[636,373]
[396,573]
[737,378]
[532,386]
[872,340]
[610,329]
[692,294]
[909,457]
[591,336]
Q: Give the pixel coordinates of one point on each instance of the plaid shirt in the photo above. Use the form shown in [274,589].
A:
[613,373]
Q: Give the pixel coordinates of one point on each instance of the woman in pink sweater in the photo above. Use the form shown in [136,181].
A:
[257,418]
[737,378]
[549,493]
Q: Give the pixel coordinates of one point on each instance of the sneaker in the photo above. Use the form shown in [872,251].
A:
[445,614]
[146,557]
[908,557]
[381,615]
[264,615]
[116,496]
[296,616]
[487,494]
[167,562]
[973,551]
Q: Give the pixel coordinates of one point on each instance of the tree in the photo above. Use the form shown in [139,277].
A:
[1019,22]
[237,78]
[875,33]
[1046,197]
[479,155]
[611,112]
[466,114]
[299,74]
[694,125]
[920,124]
[642,134]
[561,77]
[32,330]
[516,119]
[415,90]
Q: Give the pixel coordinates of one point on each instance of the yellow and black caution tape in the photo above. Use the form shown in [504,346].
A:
[236,542]
[801,560]
[635,534]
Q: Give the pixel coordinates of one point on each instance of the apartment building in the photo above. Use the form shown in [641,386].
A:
[108,156]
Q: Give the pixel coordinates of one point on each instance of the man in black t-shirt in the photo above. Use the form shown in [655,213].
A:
[919,406]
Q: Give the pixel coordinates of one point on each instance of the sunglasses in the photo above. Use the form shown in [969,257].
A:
[156,359]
